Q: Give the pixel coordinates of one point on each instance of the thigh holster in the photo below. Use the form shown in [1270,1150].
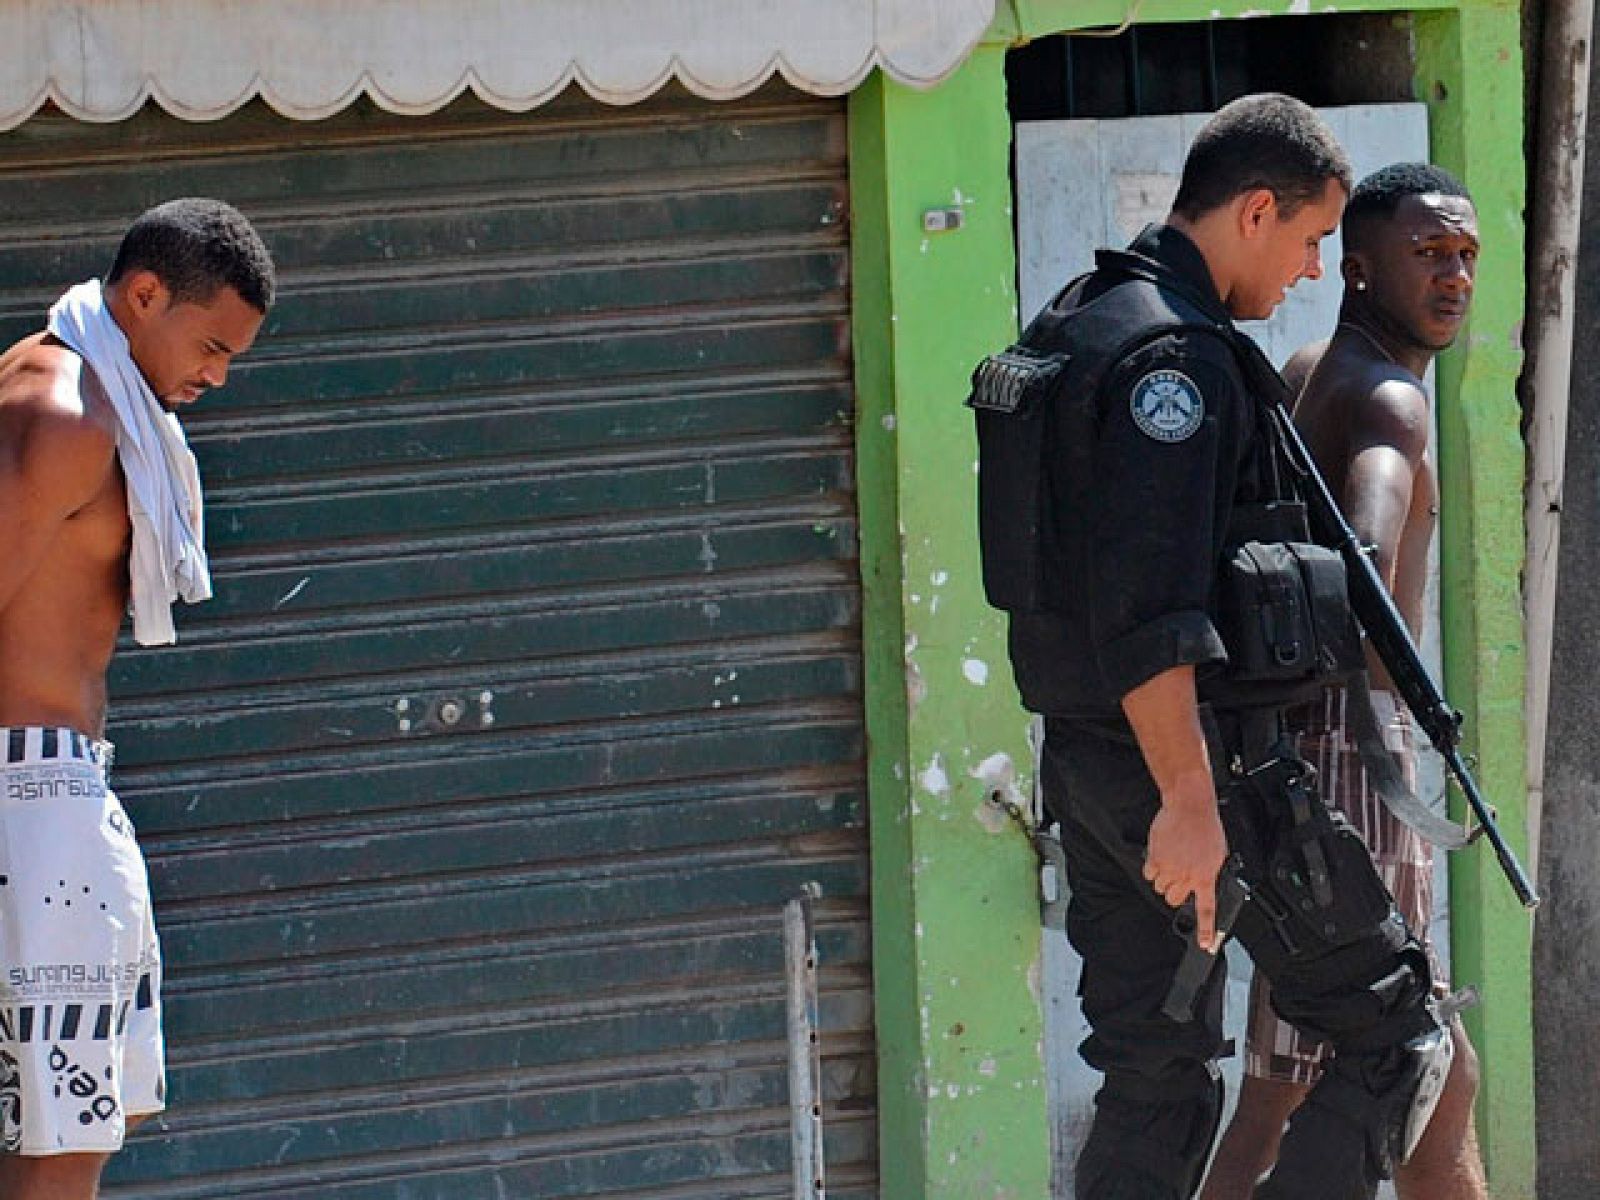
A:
[1310,874]
[1320,922]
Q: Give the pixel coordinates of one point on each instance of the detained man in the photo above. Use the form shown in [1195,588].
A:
[100,509]
[1410,259]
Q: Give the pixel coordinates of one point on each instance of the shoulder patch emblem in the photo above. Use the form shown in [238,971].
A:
[1167,406]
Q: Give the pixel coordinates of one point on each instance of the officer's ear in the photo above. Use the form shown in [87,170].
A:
[1256,211]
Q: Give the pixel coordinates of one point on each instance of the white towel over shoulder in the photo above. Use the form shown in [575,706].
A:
[168,562]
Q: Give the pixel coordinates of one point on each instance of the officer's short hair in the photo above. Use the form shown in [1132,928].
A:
[1378,195]
[1266,140]
[197,246]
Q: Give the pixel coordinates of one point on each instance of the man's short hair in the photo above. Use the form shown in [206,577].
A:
[1267,140]
[1378,195]
[197,246]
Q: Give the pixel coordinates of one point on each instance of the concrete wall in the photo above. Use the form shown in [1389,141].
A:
[1566,947]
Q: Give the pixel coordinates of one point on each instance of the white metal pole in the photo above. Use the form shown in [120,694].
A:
[805,1047]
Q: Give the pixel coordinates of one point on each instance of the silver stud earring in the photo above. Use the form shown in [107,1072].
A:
[1361,285]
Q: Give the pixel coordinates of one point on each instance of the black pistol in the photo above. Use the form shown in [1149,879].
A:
[1232,892]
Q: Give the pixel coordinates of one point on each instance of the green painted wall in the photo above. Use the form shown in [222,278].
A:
[1469,73]
[955,923]
[955,920]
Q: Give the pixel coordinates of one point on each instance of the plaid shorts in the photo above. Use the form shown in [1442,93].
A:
[1274,1049]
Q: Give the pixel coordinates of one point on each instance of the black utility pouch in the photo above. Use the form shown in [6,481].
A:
[1356,902]
[1285,614]
[1309,868]
[1012,396]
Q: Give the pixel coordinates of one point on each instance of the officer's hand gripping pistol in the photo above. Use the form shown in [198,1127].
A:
[1232,892]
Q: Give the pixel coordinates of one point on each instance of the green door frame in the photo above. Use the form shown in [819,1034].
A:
[957,950]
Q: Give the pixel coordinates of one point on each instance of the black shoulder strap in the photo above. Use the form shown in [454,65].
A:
[1096,335]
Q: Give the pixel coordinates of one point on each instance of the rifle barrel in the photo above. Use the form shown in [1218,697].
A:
[1515,875]
[1387,632]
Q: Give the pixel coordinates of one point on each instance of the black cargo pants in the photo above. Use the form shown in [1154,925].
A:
[1157,1112]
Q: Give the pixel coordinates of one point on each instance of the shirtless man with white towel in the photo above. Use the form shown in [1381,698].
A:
[100,508]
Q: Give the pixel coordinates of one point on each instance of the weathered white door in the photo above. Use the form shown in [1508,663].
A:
[1086,184]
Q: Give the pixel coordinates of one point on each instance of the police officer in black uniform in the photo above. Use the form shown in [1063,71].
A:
[1141,528]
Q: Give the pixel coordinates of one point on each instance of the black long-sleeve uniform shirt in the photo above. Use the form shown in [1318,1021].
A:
[1142,518]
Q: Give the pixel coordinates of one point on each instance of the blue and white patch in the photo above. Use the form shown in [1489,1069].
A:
[1167,406]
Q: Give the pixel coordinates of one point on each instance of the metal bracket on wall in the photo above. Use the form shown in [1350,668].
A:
[444,713]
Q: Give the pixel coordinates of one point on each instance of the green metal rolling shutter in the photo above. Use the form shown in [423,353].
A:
[532,686]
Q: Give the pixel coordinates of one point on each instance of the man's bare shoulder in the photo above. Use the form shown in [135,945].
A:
[1297,371]
[53,415]
[1382,403]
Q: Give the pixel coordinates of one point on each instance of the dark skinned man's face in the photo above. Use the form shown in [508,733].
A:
[1420,266]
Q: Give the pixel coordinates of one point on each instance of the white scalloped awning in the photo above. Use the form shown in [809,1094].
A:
[100,60]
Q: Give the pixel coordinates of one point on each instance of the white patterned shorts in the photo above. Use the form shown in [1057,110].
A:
[80,967]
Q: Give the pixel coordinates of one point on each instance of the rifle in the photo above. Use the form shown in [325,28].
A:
[1386,628]
[1391,640]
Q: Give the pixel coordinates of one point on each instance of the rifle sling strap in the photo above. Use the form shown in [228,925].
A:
[1385,775]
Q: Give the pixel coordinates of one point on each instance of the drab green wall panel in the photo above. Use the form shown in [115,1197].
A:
[955,917]
[496,374]
[1469,73]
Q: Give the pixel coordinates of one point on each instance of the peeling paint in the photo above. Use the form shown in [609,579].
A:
[916,687]
[998,774]
[992,817]
[933,778]
[976,671]
[940,578]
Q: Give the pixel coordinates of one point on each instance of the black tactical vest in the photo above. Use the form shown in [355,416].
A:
[1279,603]
[1035,404]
